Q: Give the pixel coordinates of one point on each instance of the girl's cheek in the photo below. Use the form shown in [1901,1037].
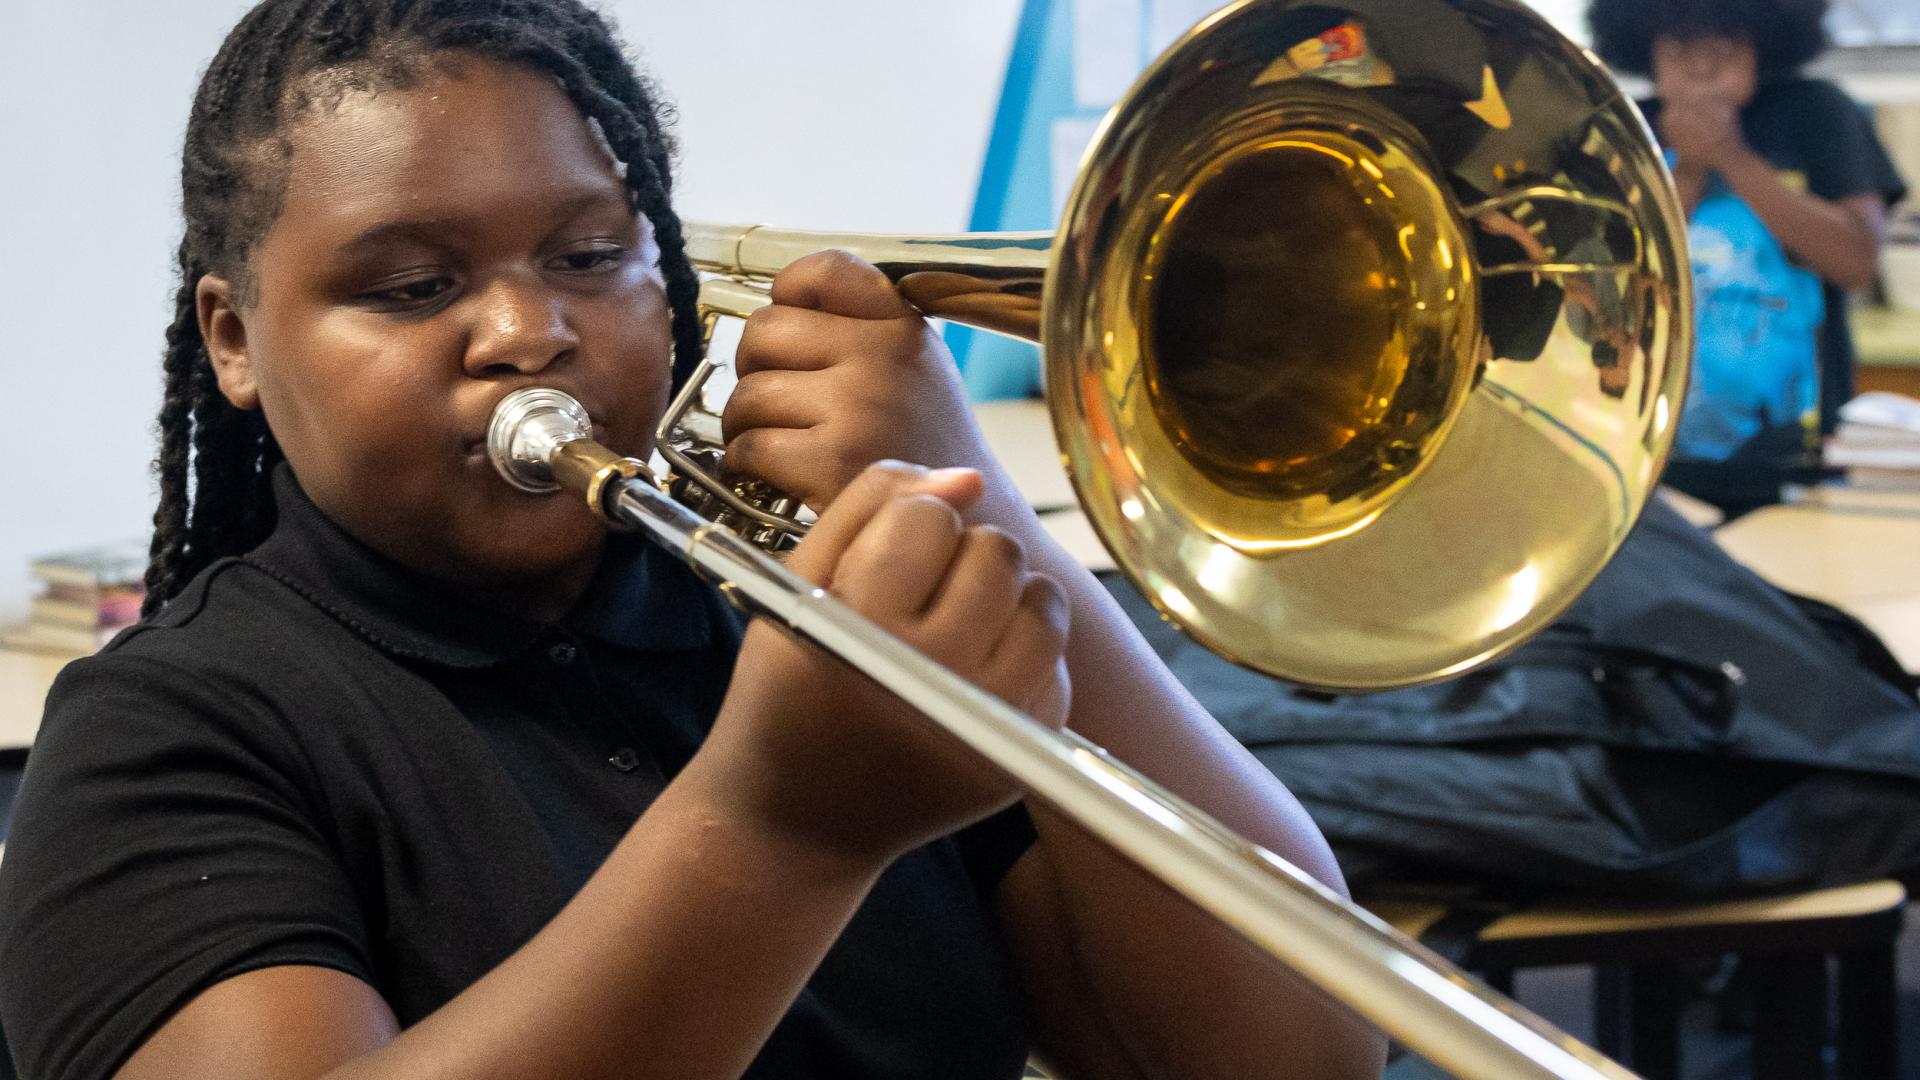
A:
[421,353]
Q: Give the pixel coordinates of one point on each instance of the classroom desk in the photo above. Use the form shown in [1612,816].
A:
[1898,624]
[1841,556]
[1864,560]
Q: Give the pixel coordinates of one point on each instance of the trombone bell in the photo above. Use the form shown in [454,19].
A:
[1364,330]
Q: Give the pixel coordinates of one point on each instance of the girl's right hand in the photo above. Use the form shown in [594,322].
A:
[815,752]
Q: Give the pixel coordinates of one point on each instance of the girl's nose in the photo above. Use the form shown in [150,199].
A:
[520,327]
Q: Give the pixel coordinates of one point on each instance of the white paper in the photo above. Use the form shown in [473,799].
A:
[1106,50]
[1171,18]
[1882,409]
[1071,137]
[1020,434]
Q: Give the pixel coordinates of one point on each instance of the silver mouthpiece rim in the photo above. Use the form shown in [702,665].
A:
[528,427]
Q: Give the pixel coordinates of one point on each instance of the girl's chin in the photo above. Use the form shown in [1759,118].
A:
[529,561]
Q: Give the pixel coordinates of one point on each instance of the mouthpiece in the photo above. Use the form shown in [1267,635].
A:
[529,426]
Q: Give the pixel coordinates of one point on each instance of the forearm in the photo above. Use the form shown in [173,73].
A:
[1125,699]
[1183,995]
[1189,997]
[666,964]
[1825,235]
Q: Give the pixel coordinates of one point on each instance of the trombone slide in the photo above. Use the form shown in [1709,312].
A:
[539,441]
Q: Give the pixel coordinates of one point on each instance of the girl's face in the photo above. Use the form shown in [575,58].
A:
[437,248]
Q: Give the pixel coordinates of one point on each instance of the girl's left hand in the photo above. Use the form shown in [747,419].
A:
[840,372]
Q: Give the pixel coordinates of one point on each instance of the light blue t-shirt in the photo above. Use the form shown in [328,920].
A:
[1757,319]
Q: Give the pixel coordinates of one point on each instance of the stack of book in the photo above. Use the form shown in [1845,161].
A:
[86,597]
[1878,442]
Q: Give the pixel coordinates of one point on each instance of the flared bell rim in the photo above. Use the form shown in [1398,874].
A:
[1397,600]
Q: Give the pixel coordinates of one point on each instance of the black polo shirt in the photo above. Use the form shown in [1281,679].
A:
[315,756]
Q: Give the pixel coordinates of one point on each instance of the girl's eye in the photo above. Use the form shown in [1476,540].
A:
[412,292]
[587,260]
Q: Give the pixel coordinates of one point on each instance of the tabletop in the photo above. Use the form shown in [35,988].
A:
[24,679]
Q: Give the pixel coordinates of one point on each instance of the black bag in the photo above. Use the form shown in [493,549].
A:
[1685,729]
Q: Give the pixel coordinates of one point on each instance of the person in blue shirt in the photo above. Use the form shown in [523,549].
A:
[1787,191]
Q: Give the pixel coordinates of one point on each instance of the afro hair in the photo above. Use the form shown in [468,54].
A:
[1786,34]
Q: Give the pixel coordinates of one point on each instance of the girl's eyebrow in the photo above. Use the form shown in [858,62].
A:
[612,197]
[420,231]
[433,230]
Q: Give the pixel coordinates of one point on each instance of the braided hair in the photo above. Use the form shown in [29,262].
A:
[215,461]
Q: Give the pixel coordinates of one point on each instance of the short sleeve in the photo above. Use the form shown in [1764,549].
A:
[161,844]
[1844,155]
[989,848]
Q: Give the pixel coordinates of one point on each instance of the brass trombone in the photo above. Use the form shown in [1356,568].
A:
[1366,330]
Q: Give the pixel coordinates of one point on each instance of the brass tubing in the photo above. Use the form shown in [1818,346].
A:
[992,281]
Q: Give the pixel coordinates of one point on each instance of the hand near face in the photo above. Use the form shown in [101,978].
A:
[813,750]
[838,373]
[1702,129]
[1703,84]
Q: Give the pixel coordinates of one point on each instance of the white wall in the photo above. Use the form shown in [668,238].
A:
[1569,16]
[87,224]
[836,113]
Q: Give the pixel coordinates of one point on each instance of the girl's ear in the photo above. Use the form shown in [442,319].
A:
[224,329]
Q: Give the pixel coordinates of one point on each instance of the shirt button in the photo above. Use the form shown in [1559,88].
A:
[563,653]
[625,759]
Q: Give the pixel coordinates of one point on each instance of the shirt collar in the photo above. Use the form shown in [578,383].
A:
[640,598]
